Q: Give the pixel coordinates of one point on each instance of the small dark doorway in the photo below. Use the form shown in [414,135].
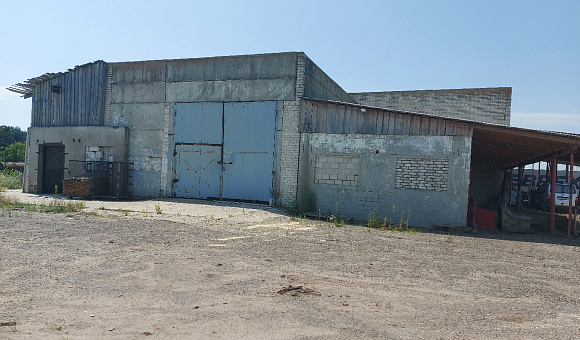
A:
[52,167]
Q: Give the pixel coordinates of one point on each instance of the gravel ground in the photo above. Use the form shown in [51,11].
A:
[201,270]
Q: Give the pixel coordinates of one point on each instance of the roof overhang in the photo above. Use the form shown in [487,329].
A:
[508,147]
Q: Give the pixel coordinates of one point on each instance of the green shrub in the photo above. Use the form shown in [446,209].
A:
[15,152]
[10,179]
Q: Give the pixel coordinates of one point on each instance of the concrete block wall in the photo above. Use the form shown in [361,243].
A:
[490,105]
[337,169]
[376,186]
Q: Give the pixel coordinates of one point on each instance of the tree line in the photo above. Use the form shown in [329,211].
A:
[12,144]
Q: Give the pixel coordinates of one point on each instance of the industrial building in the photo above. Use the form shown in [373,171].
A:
[275,128]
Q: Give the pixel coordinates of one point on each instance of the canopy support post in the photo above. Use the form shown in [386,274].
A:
[553,166]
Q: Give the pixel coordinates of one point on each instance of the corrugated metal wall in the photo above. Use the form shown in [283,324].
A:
[73,98]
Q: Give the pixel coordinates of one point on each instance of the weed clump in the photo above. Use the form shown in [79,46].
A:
[382,223]
[56,205]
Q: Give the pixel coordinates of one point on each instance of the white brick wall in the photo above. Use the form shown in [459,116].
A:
[108,95]
[289,141]
[422,174]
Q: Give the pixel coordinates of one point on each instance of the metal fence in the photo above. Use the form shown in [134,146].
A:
[99,179]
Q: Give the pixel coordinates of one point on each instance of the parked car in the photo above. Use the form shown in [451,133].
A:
[542,195]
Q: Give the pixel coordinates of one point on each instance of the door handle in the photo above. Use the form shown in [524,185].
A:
[221,162]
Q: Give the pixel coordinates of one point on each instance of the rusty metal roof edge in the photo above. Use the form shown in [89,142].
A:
[483,124]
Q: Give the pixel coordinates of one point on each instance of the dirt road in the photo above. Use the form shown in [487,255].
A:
[199,270]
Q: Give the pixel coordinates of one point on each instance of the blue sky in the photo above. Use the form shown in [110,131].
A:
[531,46]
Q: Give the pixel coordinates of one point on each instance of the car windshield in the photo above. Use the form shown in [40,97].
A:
[564,188]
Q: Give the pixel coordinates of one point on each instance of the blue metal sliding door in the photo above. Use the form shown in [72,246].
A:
[249,135]
[198,149]
[224,150]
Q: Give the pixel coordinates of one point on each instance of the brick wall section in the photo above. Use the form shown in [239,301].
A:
[108,95]
[422,174]
[490,105]
[289,141]
[337,169]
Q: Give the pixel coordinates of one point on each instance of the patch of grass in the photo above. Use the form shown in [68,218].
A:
[292,209]
[10,179]
[61,206]
[337,219]
[158,210]
[55,206]
[376,222]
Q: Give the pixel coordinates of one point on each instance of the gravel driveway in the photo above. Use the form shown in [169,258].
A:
[172,269]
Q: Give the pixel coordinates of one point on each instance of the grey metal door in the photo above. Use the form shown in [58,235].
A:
[249,136]
[225,150]
[198,149]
